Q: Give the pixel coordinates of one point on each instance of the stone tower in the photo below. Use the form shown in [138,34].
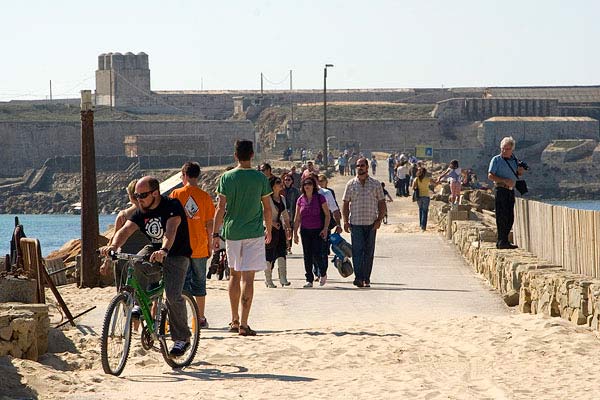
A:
[122,79]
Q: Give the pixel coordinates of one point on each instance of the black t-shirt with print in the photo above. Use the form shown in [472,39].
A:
[153,224]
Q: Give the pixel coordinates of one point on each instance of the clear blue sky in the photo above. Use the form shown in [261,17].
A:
[373,44]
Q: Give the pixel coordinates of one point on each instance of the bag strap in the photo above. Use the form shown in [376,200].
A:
[511,168]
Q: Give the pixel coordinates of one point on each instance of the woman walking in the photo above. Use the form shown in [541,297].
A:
[453,173]
[291,194]
[312,220]
[281,231]
[421,186]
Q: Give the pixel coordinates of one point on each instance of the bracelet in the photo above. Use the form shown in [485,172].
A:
[215,235]
[164,249]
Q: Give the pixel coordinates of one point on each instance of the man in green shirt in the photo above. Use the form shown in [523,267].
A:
[245,193]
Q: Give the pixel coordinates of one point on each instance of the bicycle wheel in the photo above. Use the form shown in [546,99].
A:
[116,334]
[194,325]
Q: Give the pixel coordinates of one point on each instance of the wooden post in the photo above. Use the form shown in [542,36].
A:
[89,203]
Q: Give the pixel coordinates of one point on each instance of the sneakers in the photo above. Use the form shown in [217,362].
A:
[358,283]
[179,348]
[323,280]
[203,323]
[308,285]
[136,312]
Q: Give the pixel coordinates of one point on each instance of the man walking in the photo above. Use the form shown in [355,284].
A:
[245,193]
[504,171]
[200,211]
[163,221]
[363,210]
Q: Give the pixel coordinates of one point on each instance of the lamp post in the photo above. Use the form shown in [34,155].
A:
[325,115]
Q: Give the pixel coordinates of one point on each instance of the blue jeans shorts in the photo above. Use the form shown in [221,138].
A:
[195,280]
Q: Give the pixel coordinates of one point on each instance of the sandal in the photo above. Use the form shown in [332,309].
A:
[246,331]
[234,326]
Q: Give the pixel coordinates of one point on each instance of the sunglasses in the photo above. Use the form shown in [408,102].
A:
[143,195]
[287,180]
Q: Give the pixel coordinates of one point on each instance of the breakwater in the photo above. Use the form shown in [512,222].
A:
[523,278]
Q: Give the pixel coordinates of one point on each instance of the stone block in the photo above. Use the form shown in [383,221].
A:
[6,332]
[16,289]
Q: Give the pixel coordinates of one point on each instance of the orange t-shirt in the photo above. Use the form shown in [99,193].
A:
[199,209]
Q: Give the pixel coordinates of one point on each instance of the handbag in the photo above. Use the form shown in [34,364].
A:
[415,194]
[520,184]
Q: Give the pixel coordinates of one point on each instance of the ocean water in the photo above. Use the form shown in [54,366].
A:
[593,205]
[52,230]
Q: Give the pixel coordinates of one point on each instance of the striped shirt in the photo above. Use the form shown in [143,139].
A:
[363,200]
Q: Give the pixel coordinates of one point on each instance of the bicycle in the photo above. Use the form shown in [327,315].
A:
[117,326]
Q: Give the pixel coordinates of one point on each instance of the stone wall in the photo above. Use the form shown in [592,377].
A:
[28,144]
[24,330]
[478,109]
[372,135]
[536,130]
[535,285]
[561,151]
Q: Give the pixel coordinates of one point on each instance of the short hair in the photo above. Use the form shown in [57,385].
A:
[131,187]
[265,165]
[508,140]
[244,149]
[454,164]
[322,177]
[191,169]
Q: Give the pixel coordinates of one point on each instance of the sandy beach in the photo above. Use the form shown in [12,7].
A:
[428,328]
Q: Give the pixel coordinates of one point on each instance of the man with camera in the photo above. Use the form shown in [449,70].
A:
[504,171]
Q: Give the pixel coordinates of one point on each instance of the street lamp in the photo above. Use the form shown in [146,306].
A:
[325,153]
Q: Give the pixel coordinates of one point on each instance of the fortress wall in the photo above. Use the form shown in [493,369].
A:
[479,109]
[29,144]
[536,130]
[373,135]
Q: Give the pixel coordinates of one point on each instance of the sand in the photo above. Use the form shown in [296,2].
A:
[428,328]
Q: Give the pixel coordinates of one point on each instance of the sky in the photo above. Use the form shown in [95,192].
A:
[227,44]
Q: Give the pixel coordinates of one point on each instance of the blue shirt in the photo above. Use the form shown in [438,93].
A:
[500,168]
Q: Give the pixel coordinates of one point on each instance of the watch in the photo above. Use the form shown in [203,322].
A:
[164,249]
[215,235]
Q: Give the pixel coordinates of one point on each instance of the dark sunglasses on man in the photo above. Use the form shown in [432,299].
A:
[141,196]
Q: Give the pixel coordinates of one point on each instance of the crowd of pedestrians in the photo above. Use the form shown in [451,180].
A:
[260,214]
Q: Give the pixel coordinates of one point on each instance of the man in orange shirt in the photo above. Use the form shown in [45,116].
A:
[200,212]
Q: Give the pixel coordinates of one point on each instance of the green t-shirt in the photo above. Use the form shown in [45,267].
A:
[244,189]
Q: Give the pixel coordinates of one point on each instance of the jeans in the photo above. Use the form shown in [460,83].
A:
[402,189]
[312,247]
[363,250]
[352,169]
[175,269]
[423,203]
[342,168]
[195,279]
[406,184]
[505,213]
[391,174]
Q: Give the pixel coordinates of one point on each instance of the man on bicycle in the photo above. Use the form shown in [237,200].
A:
[164,222]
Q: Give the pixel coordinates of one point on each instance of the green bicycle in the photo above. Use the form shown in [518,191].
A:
[117,327]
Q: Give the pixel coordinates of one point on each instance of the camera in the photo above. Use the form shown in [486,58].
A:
[523,164]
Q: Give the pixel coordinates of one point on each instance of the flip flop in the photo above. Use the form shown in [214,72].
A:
[234,326]
[246,331]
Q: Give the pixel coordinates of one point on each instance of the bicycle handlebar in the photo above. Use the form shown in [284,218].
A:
[114,255]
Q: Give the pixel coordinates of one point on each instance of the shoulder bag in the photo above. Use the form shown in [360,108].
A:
[520,184]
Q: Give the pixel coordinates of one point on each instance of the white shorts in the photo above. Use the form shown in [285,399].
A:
[246,254]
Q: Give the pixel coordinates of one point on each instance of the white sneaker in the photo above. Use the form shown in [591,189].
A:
[308,284]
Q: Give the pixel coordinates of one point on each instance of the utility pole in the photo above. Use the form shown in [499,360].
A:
[261,84]
[90,262]
[325,115]
[110,84]
[292,116]
[50,90]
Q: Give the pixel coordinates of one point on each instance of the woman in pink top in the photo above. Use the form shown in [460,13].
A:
[312,219]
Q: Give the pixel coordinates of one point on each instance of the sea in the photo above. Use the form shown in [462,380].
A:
[54,230]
